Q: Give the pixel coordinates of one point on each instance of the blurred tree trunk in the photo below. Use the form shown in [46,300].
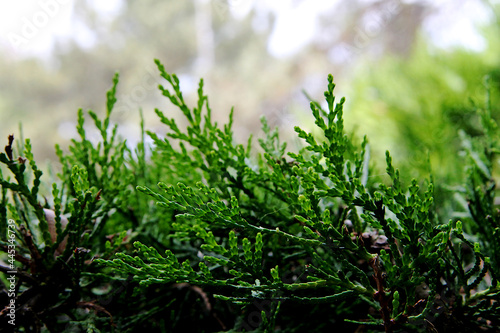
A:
[204,37]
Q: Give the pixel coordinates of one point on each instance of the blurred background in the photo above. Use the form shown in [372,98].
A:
[413,72]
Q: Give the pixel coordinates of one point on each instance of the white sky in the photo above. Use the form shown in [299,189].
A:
[456,25]
[29,27]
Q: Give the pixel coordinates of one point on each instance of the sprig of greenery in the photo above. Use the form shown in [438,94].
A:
[314,230]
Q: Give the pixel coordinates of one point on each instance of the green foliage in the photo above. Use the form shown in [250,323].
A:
[237,238]
[415,105]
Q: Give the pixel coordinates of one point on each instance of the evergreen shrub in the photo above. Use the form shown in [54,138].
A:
[200,234]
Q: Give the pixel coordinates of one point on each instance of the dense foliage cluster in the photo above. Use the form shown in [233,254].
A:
[199,233]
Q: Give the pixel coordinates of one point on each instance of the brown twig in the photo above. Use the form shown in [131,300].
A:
[381,296]
[204,297]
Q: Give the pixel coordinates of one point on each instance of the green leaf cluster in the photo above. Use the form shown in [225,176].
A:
[228,237]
